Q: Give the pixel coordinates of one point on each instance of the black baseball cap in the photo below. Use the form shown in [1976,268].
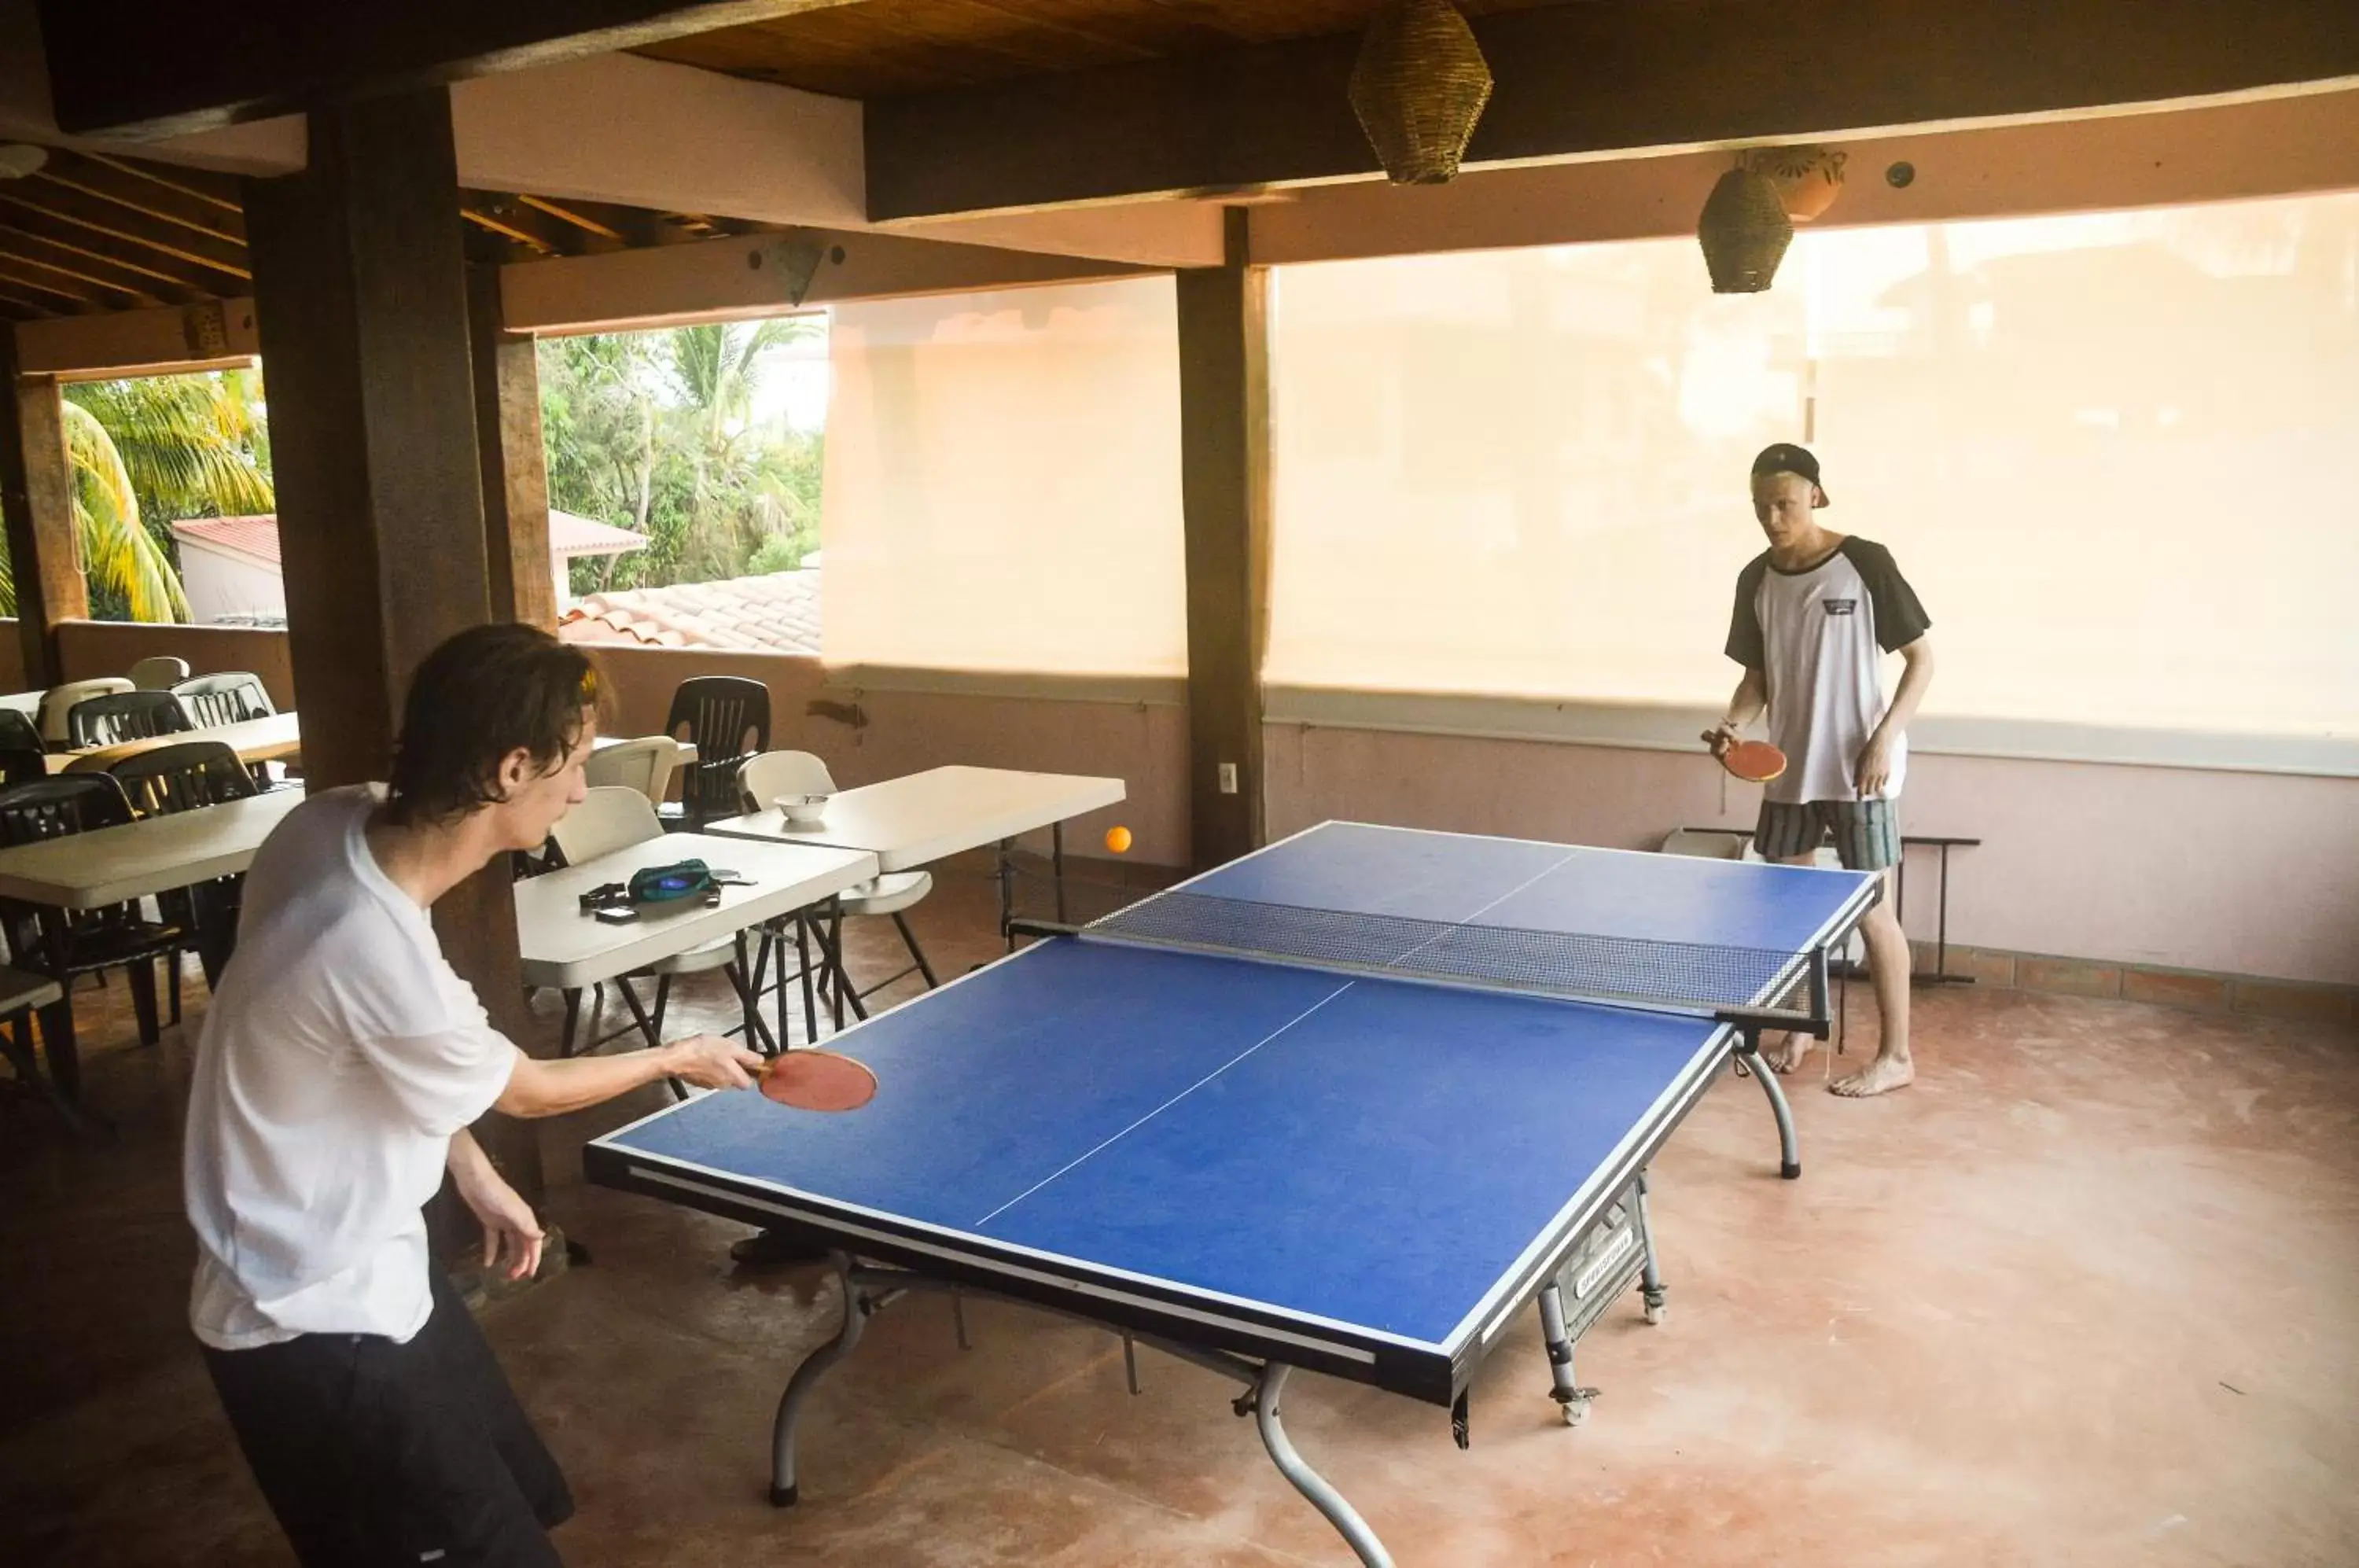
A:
[1785,457]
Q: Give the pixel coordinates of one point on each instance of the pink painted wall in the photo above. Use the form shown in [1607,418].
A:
[95,648]
[1145,746]
[2248,873]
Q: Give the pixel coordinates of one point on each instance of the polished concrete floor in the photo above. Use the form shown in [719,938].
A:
[2088,1294]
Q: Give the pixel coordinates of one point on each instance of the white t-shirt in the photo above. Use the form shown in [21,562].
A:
[339,1056]
[1819,636]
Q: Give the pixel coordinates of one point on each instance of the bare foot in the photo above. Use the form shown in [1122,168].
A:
[1788,1055]
[1880,1076]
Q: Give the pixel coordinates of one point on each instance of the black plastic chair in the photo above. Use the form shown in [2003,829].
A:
[68,943]
[21,764]
[229,698]
[187,777]
[727,719]
[19,733]
[125,715]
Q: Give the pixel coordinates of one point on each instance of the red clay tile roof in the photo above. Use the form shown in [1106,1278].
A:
[258,537]
[775,613]
[254,536]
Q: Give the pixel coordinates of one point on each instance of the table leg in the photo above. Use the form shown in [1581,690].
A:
[1056,865]
[57,1020]
[783,1488]
[1790,1153]
[1320,1492]
[1571,1398]
[1006,891]
[1650,1278]
[810,1000]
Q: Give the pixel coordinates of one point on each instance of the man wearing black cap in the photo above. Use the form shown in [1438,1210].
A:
[1815,613]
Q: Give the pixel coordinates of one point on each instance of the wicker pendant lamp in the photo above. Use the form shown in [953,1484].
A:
[1419,86]
[1745,233]
[1808,178]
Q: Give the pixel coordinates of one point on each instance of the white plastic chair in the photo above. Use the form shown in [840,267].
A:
[1707,844]
[59,700]
[615,817]
[644,765]
[774,773]
[159,673]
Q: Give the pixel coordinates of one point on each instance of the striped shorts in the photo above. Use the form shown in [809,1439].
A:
[1866,833]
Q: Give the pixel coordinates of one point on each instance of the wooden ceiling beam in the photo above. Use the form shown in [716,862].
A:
[1585,81]
[195,67]
[69,208]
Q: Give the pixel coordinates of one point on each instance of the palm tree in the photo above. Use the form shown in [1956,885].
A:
[116,549]
[146,453]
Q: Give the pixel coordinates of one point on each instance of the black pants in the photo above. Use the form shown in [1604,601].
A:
[377,1453]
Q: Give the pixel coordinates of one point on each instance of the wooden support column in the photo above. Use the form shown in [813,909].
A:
[360,290]
[1224,497]
[516,466]
[37,494]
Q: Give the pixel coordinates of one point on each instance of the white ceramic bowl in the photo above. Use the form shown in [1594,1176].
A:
[803,811]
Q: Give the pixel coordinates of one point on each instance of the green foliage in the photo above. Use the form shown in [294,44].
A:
[146,453]
[648,431]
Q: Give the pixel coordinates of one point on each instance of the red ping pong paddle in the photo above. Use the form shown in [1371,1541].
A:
[818,1081]
[1754,761]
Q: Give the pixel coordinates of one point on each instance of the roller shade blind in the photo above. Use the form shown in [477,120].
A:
[1002,485]
[2111,452]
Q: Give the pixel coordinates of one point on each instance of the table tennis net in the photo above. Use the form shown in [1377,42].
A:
[1688,977]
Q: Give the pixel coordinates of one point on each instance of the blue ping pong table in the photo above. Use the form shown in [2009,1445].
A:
[1348,1104]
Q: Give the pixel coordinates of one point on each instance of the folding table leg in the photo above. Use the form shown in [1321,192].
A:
[810,1000]
[1320,1491]
[1650,1278]
[783,1487]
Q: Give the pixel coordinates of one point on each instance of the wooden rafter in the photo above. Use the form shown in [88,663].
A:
[490,225]
[145,209]
[63,213]
[21,258]
[188,182]
[22,306]
[34,284]
[107,257]
[579,219]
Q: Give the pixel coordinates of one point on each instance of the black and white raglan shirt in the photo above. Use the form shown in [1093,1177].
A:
[1818,636]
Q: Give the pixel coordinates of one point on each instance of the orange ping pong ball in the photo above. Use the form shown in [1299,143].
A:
[1118,839]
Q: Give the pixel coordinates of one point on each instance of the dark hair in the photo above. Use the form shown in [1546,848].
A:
[482,694]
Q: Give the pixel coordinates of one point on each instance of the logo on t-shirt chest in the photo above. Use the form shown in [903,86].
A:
[1839,606]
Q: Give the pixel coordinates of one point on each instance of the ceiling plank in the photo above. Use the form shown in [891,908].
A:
[195,67]
[77,211]
[1577,80]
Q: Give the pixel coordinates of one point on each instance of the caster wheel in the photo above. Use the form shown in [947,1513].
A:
[1575,1411]
[1655,1311]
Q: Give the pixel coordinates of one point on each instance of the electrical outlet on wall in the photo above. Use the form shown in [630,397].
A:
[1228,778]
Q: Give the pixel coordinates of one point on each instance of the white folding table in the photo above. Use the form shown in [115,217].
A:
[920,818]
[114,865]
[567,948]
[270,738]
